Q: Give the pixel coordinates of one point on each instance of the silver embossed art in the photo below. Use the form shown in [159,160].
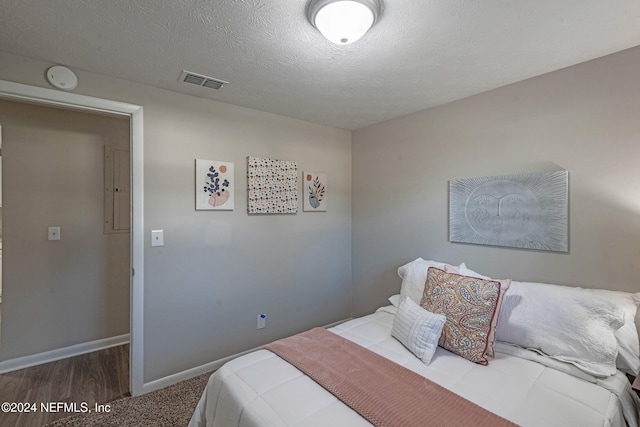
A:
[519,211]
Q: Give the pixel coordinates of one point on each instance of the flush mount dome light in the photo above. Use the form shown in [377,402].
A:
[343,21]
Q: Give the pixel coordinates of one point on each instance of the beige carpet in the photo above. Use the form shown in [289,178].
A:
[169,407]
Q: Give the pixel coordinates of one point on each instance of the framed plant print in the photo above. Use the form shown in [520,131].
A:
[214,185]
[314,192]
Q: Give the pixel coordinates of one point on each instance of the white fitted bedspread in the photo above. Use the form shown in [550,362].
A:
[262,390]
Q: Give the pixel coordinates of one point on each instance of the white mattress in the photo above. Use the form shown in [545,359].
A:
[261,390]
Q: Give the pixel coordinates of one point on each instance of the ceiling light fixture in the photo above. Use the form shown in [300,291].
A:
[344,21]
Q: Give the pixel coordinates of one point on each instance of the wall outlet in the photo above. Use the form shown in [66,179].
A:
[262,321]
[54,233]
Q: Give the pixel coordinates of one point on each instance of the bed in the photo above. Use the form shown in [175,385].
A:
[529,386]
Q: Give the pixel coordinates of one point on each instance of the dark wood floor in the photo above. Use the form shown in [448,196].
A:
[98,377]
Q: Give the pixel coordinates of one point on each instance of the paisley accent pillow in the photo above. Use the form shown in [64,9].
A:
[504,286]
[469,304]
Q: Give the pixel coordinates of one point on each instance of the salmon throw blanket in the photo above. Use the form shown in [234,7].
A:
[383,392]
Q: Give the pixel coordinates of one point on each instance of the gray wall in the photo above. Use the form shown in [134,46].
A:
[59,293]
[585,119]
[219,270]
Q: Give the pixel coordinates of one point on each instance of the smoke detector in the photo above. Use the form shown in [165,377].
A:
[200,80]
[62,77]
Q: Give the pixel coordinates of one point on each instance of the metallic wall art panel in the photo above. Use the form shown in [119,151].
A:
[521,211]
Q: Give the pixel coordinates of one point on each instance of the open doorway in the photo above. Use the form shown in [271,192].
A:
[66,276]
[67,267]
[14,91]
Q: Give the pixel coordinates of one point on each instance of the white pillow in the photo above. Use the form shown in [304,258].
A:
[414,276]
[628,359]
[564,323]
[417,329]
[462,269]
[395,300]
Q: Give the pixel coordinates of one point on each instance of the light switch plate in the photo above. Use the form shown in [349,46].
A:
[54,233]
[157,237]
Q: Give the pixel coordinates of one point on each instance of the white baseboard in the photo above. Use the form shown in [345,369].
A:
[61,353]
[207,367]
[190,373]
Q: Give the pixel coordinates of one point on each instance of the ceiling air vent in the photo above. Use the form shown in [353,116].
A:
[200,80]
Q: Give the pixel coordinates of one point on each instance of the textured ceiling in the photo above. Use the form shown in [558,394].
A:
[420,54]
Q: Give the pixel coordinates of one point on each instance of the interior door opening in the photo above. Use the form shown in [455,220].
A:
[66,281]
[34,95]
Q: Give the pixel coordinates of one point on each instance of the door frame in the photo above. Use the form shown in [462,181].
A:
[54,98]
